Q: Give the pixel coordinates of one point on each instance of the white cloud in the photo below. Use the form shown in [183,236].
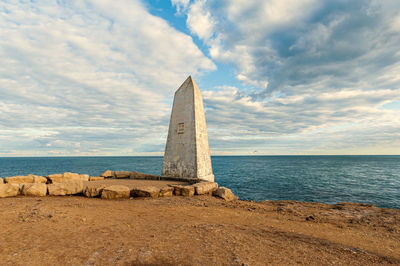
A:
[97,73]
[199,20]
[318,76]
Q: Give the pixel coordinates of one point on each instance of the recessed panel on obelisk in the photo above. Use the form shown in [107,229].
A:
[187,154]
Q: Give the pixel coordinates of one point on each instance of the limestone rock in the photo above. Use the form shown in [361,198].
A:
[96,178]
[180,190]
[187,191]
[166,192]
[70,187]
[122,174]
[84,177]
[145,191]
[137,175]
[116,192]
[224,193]
[26,179]
[34,189]
[9,190]
[92,192]
[58,178]
[108,174]
[205,188]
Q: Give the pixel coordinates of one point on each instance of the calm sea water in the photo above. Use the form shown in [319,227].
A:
[329,179]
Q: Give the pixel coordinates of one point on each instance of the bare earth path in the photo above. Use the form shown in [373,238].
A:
[194,231]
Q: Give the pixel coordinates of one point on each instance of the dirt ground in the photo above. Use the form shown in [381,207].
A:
[200,230]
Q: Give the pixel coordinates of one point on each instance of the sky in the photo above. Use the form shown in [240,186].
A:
[278,77]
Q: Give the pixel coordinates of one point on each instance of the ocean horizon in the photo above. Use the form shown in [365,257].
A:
[373,179]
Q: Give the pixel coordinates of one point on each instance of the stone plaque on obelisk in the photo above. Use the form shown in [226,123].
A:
[187,154]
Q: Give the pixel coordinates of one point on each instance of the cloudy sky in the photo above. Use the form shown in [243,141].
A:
[97,77]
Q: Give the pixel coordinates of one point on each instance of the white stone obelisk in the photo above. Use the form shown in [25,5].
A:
[187,154]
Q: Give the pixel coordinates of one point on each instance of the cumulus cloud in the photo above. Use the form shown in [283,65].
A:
[312,70]
[101,73]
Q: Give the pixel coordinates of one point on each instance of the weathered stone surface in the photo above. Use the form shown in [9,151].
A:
[224,193]
[69,187]
[108,174]
[9,190]
[58,178]
[180,190]
[187,153]
[166,192]
[26,179]
[122,174]
[187,191]
[34,189]
[205,188]
[116,192]
[138,175]
[96,178]
[84,177]
[92,192]
[145,191]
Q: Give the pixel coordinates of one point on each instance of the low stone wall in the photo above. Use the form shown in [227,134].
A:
[75,184]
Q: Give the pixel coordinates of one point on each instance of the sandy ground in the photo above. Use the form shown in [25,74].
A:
[200,230]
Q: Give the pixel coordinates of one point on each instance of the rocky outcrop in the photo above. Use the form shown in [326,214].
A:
[205,188]
[108,174]
[34,189]
[25,179]
[92,192]
[145,191]
[69,187]
[122,174]
[59,178]
[9,190]
[116,192]
[96,178]
[166,192]
[224,193]
[138,175]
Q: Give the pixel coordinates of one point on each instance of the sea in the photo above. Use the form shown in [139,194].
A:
[327,179]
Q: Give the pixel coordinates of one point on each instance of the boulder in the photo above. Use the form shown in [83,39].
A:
[58,178]
[205,188]
[92,192]
[9,190]
[181,190]
[145,191]
[84,177]
[108,174]
[96,178]
[70,187]
[187,191]
[25,179]
[116,192]
[166,192]
[224,193]
[34,189]
[122,174]
[137,175]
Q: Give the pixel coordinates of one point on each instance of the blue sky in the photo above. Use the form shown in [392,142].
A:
[278,77]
